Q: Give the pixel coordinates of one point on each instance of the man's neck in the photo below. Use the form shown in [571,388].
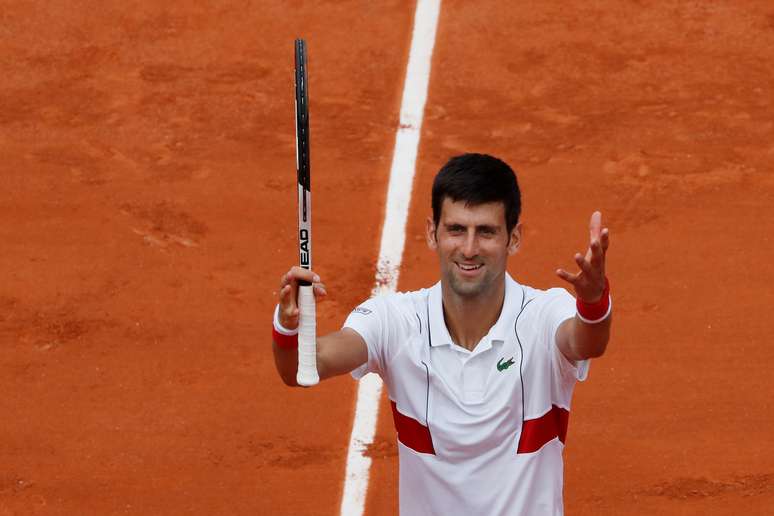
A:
[468,319]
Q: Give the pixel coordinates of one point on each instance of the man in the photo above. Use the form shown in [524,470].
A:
[479,369]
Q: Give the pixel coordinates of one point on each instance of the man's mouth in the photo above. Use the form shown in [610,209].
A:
[469,267]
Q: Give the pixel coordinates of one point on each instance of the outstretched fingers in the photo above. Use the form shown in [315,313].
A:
[588,279]
[568,276]
[595,225]
[604,238]
[597,259]
[584,263]
[599,241]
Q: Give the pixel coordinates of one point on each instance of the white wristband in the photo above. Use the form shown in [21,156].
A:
[281,329]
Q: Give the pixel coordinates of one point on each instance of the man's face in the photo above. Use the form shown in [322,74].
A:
[473,246]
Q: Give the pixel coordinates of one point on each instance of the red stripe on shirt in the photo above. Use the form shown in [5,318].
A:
[535,433]
[411,432]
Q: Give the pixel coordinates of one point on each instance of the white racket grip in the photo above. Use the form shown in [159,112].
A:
[307,338]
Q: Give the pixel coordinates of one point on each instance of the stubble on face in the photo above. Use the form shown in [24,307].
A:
[467,288]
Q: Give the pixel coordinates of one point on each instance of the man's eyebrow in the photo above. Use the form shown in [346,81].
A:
[485,227]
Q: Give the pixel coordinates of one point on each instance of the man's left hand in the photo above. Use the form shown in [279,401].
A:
[589,282]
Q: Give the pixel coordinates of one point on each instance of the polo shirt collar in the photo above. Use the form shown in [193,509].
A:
[439,334]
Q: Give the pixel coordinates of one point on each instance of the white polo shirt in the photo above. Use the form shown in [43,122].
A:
[480,432]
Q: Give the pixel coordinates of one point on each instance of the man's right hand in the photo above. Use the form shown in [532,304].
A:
[288,294]
[337,353]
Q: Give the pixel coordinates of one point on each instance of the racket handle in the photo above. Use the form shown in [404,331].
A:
[307,338]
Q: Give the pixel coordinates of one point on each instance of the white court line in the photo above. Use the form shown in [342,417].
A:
[393,238]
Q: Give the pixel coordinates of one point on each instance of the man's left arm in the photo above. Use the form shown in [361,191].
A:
[586,335]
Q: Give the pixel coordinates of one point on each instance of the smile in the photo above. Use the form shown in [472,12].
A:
[469,267]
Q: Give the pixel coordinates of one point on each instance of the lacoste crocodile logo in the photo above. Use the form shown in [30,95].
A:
[503,366]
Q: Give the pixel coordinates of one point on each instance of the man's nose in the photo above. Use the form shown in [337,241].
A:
[470,246]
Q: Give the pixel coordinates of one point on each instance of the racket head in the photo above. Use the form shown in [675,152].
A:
[302,115]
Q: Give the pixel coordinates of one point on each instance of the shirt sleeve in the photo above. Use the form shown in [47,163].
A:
[560,306]
[369,321]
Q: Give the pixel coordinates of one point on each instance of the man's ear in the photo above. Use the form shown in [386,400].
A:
[430,234]
[515,240]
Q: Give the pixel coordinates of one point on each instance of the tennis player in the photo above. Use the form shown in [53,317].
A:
[479,368]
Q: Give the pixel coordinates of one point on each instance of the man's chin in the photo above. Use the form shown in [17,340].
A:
[466,287]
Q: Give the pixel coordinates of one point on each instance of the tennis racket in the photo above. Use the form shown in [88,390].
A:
[307,324]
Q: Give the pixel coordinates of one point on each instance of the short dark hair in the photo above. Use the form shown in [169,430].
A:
[478,179]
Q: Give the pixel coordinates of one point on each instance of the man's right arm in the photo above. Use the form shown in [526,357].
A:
[337,353]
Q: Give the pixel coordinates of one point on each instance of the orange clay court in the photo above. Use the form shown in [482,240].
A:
[148,211]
